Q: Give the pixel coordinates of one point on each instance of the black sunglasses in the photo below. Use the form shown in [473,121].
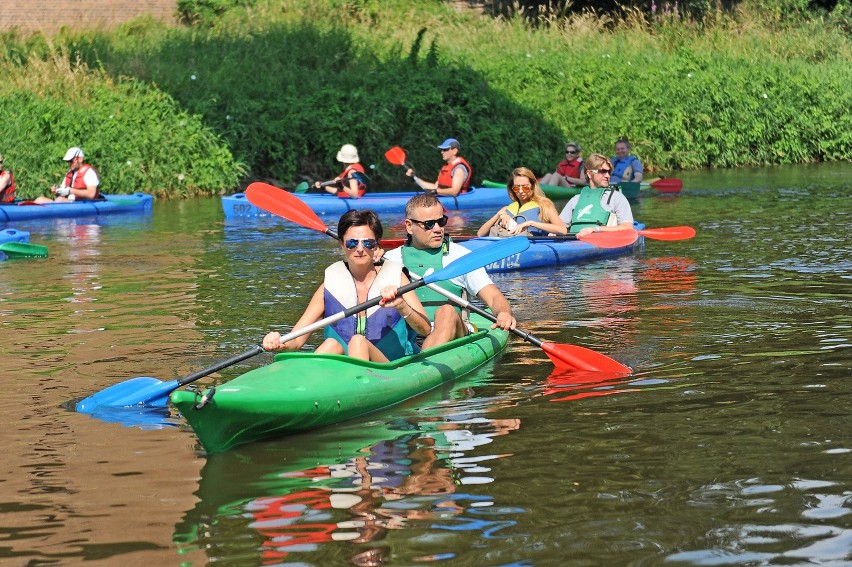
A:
[352,243]
[571,152]
[430,224]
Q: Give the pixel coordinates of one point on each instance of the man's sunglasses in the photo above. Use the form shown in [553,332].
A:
[352,243]
[430,224]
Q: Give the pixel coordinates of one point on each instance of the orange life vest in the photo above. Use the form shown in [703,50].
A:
[445,176]
[7,195]
[362,187]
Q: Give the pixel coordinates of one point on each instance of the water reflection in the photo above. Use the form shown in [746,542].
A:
[353,487]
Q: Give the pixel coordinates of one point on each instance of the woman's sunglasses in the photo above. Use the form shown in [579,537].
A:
[571,152]
[601,171]
[430,224]
[352,243]
[519,188]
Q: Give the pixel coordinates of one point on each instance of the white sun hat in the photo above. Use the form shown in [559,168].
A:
[348,154]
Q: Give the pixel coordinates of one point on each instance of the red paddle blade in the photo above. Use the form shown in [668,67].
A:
[395,155]
[581,358]
[668,233]
[610,238]
[284,204]
[668,185]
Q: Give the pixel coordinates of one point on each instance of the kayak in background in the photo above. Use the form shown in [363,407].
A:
[15,244]
[112,204]
[237,205]
[299,391]
[554,192]
[559,193]
[544,252]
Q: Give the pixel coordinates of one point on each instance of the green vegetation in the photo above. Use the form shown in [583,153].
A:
[279,85]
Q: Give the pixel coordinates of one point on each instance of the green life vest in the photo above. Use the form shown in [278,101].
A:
[419,262]
[589,211]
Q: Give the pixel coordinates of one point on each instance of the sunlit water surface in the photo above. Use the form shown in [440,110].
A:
[730,445]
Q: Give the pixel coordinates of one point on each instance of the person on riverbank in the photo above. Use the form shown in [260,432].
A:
[598,207]
[379,334]
[571,171]
[427,248]
[625,166]
[455,175]
[530,213]
[81,182]
[7,183]
[351,183]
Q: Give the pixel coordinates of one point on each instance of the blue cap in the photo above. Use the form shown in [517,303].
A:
[449,143]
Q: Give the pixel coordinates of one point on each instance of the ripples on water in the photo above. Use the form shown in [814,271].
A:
[729,445]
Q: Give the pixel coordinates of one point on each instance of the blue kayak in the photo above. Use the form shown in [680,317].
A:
[14,235]
[325,204]
[545,252]
[132,203]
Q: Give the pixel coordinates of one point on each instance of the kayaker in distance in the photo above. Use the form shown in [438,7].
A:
[598,207]
[80,183]
[530,212]
[349,185]
[7,183]
[571,171]
[625,166]
[428,249]
[382,333]
[455,175]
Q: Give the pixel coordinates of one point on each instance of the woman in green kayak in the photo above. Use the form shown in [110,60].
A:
[379,334]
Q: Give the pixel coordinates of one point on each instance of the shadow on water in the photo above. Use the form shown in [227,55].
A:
[286,98]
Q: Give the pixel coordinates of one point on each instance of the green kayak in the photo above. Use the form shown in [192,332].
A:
[554,192]
[300,391]
[628,188]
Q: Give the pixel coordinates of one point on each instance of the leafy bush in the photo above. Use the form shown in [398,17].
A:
[286,83]
[138,138]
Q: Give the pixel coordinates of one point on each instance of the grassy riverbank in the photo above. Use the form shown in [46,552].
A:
[274,90]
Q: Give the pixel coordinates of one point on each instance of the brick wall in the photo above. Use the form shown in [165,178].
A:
[50,15]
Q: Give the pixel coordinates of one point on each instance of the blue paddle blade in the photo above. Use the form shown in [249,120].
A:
[479,259]
[136,391]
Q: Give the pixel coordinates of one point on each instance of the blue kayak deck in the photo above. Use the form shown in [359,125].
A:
[113,204]
[546,252]
[479,198]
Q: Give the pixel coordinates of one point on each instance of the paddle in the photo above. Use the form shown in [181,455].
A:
[562,355]
[396,156]
[608,239]
[23,250]
[357,175]
[292,209]
[668,233]
[148,391]
[666,185]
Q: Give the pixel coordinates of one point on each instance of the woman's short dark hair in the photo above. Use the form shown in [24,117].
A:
[364,217]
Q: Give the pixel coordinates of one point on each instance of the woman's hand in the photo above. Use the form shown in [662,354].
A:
[390,299]
[272,341]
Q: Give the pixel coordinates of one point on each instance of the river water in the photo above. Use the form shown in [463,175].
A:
[730,445]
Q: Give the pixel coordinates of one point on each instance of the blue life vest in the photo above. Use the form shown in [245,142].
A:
[528,212]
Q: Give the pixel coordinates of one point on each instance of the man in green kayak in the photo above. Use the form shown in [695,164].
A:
[427,249]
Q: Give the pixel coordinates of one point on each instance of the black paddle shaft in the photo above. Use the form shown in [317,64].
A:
[254,351]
